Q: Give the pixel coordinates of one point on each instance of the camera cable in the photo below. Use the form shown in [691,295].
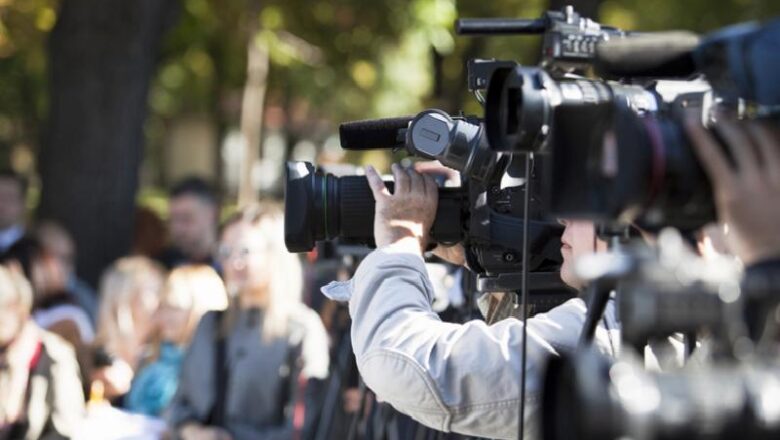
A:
[524,290]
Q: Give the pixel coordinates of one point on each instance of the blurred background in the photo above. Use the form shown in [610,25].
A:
[105,103]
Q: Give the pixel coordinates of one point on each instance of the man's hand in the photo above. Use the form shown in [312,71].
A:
[406,216]
[747,198]
[115,378]
[454,254]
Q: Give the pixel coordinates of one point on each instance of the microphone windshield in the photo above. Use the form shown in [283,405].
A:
[658,54]
[374,133]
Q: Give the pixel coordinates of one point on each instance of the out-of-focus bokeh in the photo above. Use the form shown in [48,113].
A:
[105,103]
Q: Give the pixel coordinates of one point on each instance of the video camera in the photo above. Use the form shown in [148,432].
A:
[485,213]
[617,147]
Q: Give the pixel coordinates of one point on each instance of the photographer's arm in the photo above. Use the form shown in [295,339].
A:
[452,377]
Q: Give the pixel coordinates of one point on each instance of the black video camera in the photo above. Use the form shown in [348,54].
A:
[617,148]
[485,213]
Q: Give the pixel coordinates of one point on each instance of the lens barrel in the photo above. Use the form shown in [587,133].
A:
[320,206]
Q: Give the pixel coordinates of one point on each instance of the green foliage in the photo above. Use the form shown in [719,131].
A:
[23,99]
[331,60]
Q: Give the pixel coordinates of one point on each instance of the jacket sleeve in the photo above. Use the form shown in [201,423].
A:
[452,377]
[67,399]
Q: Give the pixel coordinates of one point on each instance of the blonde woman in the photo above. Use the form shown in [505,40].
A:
[189,292]
[129,297]
[40,385]
[240,376]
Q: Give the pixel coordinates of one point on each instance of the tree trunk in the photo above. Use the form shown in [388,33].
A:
[102,55]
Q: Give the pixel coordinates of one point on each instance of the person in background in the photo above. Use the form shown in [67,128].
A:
[54,309]
[13,193]
[130,295]
[40,388]
[150,235]
[189,292]
[192,227]
[56,241]
[251,372]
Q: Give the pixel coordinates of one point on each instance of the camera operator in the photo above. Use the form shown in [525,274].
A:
[451,377]
[467,378]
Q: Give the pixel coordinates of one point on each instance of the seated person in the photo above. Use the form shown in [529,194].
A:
[189,292]
[129,298]
[54,309]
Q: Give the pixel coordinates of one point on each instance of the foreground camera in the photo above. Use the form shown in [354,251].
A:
[589,397]
[663,292]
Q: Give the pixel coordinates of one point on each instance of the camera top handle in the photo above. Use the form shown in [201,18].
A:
[500,26]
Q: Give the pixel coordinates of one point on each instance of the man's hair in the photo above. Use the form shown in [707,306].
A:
[19,179]
[14,288]
[195,186]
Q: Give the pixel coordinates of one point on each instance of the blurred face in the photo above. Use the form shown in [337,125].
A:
[11,203]
[48,274]
[173,323]
[144,305]
[63,250]
[193,224]
[243,259]
[12,319]
[577,240]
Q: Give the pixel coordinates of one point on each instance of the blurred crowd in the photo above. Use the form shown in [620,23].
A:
[203,331]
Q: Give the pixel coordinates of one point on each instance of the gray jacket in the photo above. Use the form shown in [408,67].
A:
[464,378]
[259,373]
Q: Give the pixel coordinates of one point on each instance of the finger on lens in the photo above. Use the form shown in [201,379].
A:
[401,179]
[416,182]
[431,188]
[435,168]
[376,183]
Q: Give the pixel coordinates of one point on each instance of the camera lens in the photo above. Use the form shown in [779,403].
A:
[320,206]
[658,180]
[518,109]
